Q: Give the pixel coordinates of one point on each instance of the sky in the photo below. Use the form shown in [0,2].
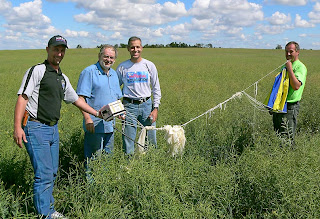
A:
[261,24]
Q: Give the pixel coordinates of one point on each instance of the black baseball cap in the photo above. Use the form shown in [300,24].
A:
[57,40]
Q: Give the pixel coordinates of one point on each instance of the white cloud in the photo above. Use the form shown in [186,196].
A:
[272,30]
[116,35]
[28,18]
[289,2]
[117,14]
[314,15]
[179,29]
[72,33]
[228,12]
[171,9]
[316,7]
[158,32]
[235,31]
[4,6]
[279,19]
[302,23]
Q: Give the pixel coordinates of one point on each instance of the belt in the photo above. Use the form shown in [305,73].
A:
[52,123]
[138,101]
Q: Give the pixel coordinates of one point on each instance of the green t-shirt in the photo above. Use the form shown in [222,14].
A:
[300,71]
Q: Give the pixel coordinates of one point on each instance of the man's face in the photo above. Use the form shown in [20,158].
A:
[107,59]
[291,53]
[55,54]
[135,49]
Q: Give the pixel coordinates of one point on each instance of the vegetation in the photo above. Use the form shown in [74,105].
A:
[234,165]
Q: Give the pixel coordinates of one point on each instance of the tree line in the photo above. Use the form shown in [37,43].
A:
[170,45]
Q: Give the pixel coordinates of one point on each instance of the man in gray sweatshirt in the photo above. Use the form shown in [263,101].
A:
[139,78]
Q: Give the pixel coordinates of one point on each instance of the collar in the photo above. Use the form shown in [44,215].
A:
[50,68]
[101,70]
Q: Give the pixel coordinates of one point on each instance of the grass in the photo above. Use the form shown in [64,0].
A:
[233,167]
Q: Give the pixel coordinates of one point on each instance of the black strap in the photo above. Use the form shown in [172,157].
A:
[28,78]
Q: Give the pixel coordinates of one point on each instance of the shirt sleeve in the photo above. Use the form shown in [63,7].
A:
[155,84]
[70,95]
[84,86]
[30,81]
[119,73]
[301,73]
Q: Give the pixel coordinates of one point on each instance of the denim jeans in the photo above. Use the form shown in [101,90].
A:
[43,150]
[94,142]
[141,113]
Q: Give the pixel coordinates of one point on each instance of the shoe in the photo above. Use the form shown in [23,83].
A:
[57,215]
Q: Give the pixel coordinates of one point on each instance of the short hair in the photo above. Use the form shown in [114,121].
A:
[108,46]
[133,38]
[295,43]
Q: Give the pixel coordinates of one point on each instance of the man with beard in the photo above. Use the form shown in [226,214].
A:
[99,85]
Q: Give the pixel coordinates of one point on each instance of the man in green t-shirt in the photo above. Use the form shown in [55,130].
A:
[286,123]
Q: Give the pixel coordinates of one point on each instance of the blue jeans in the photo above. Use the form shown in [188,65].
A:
[141,113]
[94,142]
[43,150]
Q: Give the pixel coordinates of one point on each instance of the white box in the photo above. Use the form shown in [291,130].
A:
[112,109]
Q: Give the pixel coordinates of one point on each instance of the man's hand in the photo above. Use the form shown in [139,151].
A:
[89,125]
[19,111]
[289,65]
[153,115]
[122,116]
[19,136]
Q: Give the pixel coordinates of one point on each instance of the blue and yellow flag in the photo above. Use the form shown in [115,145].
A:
[277,99]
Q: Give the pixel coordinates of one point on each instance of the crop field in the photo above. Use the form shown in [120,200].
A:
[233,166]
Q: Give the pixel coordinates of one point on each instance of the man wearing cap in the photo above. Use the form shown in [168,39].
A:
[36,117]
[140,79]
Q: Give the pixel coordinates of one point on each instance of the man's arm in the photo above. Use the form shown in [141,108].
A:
[156,92]
[82,105]
[18,134]
[294,82]
[88,121]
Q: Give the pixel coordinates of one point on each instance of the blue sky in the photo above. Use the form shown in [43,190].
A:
[223,23]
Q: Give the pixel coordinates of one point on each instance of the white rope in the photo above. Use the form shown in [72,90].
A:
[175,135]
[254,102]
[220,105]
[264,76]
[238,94]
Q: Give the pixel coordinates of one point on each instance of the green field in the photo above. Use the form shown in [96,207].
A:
[234,165]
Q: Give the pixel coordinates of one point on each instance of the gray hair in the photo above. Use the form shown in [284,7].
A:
[107,46]
[295,43]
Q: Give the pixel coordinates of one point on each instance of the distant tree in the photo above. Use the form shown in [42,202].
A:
[79,46]
[278,46]
[122,45]
[199,45]
[209,45]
